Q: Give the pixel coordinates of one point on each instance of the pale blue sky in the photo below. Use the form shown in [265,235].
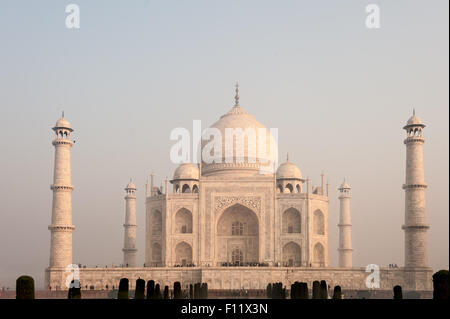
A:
[338,92]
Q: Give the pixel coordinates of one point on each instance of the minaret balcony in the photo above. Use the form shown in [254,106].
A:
[413,186]
[414,139]
[67,188]
[419,226]
[62,141]
[61,228]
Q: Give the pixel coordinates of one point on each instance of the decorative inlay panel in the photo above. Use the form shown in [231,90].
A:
[222,202]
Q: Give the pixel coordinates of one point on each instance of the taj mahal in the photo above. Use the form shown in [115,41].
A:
[234,225]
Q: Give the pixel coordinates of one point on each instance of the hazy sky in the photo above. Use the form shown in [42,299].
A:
[338,92]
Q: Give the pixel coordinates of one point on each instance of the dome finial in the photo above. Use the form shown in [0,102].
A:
[287,157]
[236,97]
[414,111]
[62,114]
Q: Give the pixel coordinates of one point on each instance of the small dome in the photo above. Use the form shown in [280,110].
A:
[63,123]
[131,185]
[414,120]
[186,171]
[344,185]
[288,170]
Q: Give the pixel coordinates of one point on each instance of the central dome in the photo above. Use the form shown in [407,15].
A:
[247,147]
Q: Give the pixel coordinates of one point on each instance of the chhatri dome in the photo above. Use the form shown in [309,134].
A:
[63,123]
[237,119]
[344,185]
[186,171]
[414,121]
[131,185]
[288,170]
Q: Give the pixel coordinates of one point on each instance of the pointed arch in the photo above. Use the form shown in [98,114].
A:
[319,255]
[156,222]
[291,221]
[156,254]
[280,188]
[237,228]
[318,222]
[289,188]
[186,189]
[183,221]
[292,255]
[183,253]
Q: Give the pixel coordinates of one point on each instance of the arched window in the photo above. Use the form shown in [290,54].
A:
[156,222]
[183,253]
[156,254]
[195,189]
[292,221]
[186,189]
[237,229]
[236,256]
[319,223]
[289,188]
[292,255]
[183,221]
[319,255]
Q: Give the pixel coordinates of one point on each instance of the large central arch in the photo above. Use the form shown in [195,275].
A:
[237,230]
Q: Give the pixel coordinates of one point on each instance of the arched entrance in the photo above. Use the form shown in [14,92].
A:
[319,255]
[237,236]
[292,255]
[183,254]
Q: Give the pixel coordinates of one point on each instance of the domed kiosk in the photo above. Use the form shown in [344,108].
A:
[289,178]
[185,179]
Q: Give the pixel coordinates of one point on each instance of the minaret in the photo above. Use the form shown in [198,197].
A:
[415,226]
[345,227]
[61,227]
[129,242]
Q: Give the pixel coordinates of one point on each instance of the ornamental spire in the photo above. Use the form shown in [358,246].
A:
[236,97]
